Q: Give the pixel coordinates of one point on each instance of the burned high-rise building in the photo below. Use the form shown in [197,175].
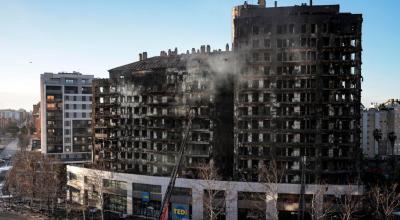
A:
[142,112]
[289,93]
[284,102]
[297,101]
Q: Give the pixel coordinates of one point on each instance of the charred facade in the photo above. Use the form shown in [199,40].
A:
[289,92]
[142,111]
[298,95]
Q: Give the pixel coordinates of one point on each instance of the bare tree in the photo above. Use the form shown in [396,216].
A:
[385,200]
[348,204]
[33,177]
[213,200]
[271,175]
[20,180]
[95,182]
[48,182]
[23,138]
[319,209]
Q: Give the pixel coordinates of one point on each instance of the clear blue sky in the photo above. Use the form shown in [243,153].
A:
[92,36]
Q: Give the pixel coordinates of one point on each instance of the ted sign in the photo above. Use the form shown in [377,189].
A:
[180,212]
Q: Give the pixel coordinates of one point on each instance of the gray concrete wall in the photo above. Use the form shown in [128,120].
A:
[198,186]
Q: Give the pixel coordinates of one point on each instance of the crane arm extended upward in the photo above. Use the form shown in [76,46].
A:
[164,206]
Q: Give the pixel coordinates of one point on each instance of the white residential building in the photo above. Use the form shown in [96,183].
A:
[384,118]
[66,116]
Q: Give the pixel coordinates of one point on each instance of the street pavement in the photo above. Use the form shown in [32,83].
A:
[15,216]
[10,150]
[5,216]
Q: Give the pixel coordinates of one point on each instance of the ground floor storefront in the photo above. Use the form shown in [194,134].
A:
[140,196]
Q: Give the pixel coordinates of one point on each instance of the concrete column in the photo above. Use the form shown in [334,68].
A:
[82,193]
[231,205]
[271,202]
[197,203]
[163,191]
[129,206]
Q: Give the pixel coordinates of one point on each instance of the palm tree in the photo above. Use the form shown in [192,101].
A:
[392,138]
[377,136]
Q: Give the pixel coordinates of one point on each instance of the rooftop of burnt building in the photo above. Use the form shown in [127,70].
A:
[167,60]
[151,63]
[248,10]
